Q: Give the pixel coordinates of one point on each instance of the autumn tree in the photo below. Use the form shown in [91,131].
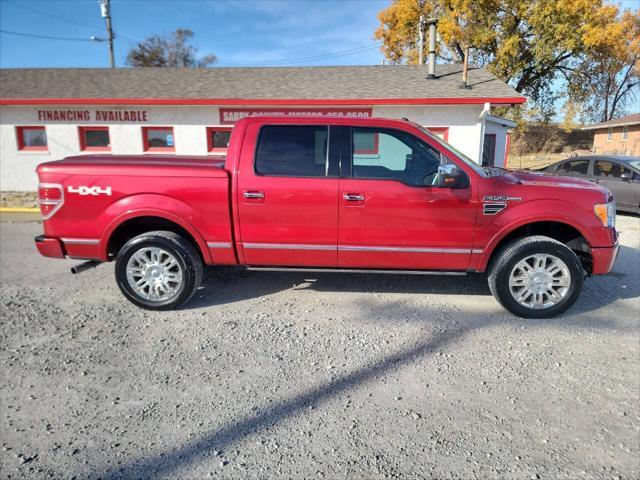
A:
[604,81]
[169,51]
[534,45]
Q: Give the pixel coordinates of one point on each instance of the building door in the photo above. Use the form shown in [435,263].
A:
[489,150]
[287,197]
[391,214]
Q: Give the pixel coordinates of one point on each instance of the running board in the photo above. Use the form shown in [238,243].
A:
[353,270]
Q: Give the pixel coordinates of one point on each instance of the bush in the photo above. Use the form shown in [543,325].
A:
[549,138]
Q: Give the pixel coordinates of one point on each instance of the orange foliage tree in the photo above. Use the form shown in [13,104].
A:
[545,49]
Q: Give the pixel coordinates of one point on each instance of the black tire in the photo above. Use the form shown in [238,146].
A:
[511,254]
[184,252]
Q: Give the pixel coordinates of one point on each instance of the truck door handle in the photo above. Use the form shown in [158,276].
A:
[253,195]
[353,197]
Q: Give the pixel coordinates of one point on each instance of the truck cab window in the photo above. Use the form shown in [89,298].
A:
[292,151]
[393,155]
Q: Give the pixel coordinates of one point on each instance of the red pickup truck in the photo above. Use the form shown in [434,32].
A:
[328,194]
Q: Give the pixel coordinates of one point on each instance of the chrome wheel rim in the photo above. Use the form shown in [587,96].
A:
[539,281]
[154,274]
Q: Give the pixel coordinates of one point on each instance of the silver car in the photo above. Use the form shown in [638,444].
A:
[619,173]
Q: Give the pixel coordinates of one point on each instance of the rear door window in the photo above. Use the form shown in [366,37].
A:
[292,151]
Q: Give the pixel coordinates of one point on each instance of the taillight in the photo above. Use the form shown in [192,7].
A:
[50,198]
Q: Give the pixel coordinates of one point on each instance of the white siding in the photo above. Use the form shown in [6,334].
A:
[462,121]
[17,169]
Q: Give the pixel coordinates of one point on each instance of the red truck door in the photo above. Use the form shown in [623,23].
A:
[391,214]
[287,196]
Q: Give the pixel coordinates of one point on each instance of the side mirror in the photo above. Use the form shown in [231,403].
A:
[450,176]
[626,176]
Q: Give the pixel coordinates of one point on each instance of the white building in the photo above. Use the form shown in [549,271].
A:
[48,114]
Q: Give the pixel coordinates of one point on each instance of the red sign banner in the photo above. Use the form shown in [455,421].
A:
[229,116]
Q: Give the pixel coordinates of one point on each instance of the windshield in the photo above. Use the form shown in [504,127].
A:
[470,163]
[635,164]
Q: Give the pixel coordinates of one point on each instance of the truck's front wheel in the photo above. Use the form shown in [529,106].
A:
[158,270]
[536,277]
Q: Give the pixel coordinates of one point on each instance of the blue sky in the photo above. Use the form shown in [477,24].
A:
[238,32]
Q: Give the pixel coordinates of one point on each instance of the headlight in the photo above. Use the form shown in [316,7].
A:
[606,212]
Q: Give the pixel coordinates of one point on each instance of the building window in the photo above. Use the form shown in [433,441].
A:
[442,132]
[625,133]
[158,139]
[32,139]
[609,134]
[94,139]
[366,142]
[218,139]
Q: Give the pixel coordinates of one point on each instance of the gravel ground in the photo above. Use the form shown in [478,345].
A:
[280,375]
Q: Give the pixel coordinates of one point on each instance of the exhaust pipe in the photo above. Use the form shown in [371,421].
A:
[433,22]
[85,266]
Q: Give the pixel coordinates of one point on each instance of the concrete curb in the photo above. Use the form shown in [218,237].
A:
[19,210]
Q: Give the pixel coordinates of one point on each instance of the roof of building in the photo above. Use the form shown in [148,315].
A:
[501,121]
[633,119]
[276,85]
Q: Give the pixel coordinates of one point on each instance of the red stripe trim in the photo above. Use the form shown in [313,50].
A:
[262,101]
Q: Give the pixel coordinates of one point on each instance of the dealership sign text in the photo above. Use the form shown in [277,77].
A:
[111,116]
[232,115]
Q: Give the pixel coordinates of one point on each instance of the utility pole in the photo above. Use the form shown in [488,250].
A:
[421,40]
[105,10]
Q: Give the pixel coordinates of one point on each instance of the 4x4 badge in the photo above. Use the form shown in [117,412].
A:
[84,190]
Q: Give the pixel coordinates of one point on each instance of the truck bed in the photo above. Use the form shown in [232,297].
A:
[102,192]
[140,165]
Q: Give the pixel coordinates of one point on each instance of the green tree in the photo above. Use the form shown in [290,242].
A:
[528,43]
[169,51]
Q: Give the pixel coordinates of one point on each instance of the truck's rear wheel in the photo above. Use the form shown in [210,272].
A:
[158,270]
[536,277]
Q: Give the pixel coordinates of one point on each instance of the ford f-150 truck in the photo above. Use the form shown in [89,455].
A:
[328,194]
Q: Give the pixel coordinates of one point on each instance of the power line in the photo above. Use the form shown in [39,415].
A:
[66,20]
[325,56]
[62,19]
[222,61]
[46,37]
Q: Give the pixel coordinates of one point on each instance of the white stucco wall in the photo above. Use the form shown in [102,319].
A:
[462,120]
[17,168]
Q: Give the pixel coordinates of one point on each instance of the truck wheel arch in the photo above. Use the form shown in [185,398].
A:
[561,230]
[132,223]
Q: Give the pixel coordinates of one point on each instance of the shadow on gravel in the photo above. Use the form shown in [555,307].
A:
[229,285]
[170,462]
[224,285]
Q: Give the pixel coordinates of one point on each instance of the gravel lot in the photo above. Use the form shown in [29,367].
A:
[279,375]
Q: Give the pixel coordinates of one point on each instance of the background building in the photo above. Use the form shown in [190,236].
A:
[620,136]
[48,114]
